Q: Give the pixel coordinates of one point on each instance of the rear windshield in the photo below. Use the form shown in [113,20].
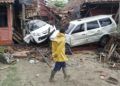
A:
[71,26]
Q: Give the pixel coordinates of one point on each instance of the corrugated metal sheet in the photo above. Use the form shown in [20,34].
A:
[6,1]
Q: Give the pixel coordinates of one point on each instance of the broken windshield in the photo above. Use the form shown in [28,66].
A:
[34,25]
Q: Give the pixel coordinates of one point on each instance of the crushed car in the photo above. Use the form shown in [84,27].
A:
[37,31]
[90,29]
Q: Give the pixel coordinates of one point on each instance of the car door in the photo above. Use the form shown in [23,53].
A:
[93,31]
[78,35]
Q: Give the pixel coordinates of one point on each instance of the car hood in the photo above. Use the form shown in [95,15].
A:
[42,29]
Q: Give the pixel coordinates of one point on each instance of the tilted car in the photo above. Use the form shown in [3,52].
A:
[38,31]
[91,29]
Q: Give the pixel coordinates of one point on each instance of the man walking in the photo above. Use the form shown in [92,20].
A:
[58,54]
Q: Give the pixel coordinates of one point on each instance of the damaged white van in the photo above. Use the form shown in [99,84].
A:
[37,31]
[91,29]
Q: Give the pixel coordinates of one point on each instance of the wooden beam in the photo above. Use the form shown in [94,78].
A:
[119,14]
[23,19]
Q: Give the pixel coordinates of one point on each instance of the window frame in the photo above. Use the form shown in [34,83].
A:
[93,28]
[79,28]
[107,24]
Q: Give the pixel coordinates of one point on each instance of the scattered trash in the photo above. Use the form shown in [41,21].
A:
[37,75]
[112,80]
[17,60]
[33,61]
[103,75]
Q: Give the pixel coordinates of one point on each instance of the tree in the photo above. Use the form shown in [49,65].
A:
[57,3]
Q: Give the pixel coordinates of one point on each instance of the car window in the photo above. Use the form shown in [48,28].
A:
[92,25]
[105,22]
[36,25]
[79,28]
[70,27]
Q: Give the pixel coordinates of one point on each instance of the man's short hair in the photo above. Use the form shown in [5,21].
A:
[62,30]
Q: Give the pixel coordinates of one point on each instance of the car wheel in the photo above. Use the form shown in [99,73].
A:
[68,50]
[104,40]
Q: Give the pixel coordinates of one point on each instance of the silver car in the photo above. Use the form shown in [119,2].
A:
[91,29]
[38,31]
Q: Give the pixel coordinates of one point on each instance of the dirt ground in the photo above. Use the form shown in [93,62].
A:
[83,68]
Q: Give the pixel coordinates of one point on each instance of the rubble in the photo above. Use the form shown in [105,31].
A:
[111,52]
[20,54]
[5,56]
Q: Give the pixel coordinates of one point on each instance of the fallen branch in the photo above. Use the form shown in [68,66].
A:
[45,59]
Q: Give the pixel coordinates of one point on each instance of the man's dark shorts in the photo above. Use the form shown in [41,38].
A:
[59,65]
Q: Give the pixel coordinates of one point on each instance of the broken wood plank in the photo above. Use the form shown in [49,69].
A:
[113,47]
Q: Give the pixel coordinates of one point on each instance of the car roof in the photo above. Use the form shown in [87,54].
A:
[87,19]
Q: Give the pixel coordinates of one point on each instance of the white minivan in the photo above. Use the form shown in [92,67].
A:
[91,29]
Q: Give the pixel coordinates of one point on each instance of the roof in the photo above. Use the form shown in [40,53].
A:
[6,1]
[75,3]
[87,19]
[100,0]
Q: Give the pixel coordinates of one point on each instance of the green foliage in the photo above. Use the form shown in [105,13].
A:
[2,48]
[59,4]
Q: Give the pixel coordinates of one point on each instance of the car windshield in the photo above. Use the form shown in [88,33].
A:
[71,26]
[36,25]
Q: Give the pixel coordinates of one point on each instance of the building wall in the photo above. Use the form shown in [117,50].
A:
[6,32]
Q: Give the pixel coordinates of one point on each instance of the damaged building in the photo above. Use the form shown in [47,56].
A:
[84,8]
[15,13]
[6,17]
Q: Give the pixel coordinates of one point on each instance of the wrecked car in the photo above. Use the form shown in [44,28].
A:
[37,31]
[91,29]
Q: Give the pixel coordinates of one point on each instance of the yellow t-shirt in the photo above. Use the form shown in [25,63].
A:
[58,48]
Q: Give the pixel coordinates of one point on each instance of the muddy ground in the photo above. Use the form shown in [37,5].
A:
[82,66]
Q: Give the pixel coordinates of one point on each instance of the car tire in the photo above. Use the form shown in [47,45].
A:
[68,50]
[104,40]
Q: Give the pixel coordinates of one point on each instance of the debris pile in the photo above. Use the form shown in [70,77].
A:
[6,56]
[111,52]
[34,54]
